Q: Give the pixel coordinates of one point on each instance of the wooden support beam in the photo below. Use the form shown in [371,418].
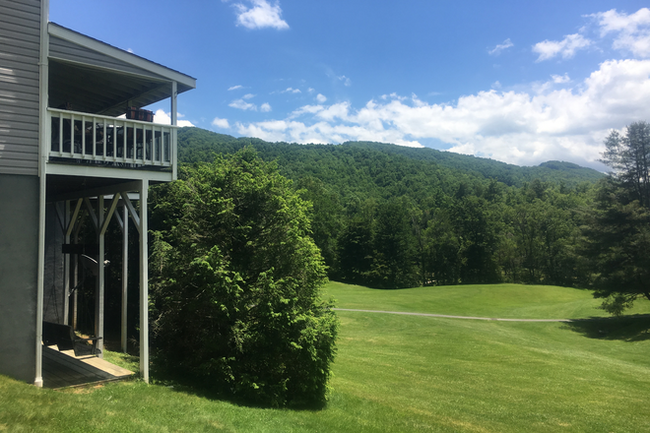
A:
[73,219]
[91,212]
[125,276]
[132,211]
[144,284]
[99,295]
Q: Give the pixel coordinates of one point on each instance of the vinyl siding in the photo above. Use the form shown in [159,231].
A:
[19,81]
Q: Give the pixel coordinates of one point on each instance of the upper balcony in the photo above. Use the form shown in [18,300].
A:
[91,139]
[90,87]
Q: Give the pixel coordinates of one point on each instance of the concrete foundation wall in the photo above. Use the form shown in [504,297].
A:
[19,198]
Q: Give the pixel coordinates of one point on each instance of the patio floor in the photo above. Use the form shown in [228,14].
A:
[64,369]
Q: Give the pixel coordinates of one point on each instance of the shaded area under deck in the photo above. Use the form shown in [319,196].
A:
[64,369]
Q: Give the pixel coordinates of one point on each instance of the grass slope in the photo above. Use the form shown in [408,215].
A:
[511,301]
[409,374]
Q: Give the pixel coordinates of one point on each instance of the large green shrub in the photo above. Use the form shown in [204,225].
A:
[236,299]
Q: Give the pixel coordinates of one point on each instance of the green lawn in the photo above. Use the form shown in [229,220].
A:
[516,301]
[397,373]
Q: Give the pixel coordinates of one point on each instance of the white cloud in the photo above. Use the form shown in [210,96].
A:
[235,87]
[160,116]
[260,14]
[500,47]
[561,79]
[632,32]
[346,81]
[321,98]
[291,90]
[265,107]
[524,127]
[221,123]
[248,96]
[566,48]
[242,105]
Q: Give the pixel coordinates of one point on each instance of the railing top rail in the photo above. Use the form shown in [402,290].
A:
[100,116]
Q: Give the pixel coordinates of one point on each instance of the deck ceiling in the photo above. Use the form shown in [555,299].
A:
[99,91]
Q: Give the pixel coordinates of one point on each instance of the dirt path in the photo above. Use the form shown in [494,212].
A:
[458,317]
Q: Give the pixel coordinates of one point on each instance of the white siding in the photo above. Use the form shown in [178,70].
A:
[19,93]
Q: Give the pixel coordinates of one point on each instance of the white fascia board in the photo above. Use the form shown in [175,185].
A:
[109,172]
[124,56]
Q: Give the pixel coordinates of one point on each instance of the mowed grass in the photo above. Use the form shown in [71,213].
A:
[513,301]
[397,373]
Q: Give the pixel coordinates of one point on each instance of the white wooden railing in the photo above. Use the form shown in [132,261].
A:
[110,141]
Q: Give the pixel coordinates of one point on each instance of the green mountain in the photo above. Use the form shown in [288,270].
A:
[299,160]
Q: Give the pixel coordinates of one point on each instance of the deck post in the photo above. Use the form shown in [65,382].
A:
[66,266]
[99,296]
[125,273]
[43,140]
[144,283]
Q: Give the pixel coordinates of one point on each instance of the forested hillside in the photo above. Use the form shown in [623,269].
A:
[389,216]
[296,160]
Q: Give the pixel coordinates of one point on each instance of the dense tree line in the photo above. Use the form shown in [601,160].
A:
[386,216]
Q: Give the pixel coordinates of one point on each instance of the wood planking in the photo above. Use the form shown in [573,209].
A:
[63,369]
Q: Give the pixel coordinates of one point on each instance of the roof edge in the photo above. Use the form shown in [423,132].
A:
[186,82]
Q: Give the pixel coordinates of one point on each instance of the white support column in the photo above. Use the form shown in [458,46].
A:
[66,266]
[99,294]
[75,273]
[144,283]
[40,280]
[125,274]
[44,140]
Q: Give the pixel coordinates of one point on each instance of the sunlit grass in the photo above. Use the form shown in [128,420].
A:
[483,300]
[398,373]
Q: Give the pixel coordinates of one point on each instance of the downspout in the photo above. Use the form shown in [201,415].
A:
[43,129]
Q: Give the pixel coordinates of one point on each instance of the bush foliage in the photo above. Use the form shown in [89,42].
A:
[236,284]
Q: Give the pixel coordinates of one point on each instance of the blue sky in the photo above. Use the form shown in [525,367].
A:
[517,81]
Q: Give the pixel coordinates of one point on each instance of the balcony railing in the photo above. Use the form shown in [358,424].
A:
[102,140]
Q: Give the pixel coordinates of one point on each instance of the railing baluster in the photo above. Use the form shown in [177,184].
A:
[142,144]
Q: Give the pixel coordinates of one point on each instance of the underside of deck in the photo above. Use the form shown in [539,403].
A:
[64,369]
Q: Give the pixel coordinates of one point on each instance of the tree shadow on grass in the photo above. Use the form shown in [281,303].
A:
[626,328]
[200,388]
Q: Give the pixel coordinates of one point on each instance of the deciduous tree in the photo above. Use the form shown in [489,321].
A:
[236,297]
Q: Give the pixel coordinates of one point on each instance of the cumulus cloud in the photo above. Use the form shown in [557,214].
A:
[500,47]
[221,123]
[524,127]
[241,104]
[291,90]
[259,14]
[235,87]
[566,48]
[631,32]
[561,79]
[164,118]
[321,98]
[265,107]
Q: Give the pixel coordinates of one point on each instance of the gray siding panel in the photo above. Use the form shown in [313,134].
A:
[19,86]
[18,275]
